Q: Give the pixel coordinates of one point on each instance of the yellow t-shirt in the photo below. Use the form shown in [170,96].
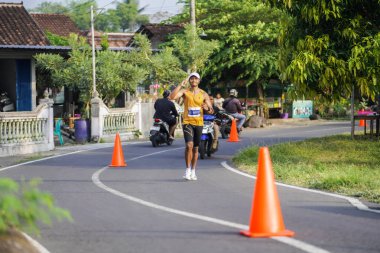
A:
[193,112]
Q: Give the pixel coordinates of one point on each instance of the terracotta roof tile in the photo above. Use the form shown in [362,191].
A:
[115,40]
[157,32]
[58,24]
[18,28]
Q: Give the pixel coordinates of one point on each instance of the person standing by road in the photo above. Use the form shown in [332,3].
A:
[218,101]
[195,101]
[233,106]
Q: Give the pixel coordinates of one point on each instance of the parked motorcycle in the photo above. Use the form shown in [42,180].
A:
[159,133]
[6,104]
[205,147]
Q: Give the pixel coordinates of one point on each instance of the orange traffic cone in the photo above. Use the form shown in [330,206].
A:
[362,123]
[117,157]
[233,133]
[266,217]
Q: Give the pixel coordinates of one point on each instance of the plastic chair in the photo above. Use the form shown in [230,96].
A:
[57,131]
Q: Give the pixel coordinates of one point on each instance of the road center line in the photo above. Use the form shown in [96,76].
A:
[289,241]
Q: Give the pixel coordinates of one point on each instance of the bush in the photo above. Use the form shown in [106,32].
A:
[23,205]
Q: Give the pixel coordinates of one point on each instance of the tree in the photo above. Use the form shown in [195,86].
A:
[164,66]
[79,11]
[247,32]
[48,7]
[129,15]
[328,47]
[192,50]
[115,71]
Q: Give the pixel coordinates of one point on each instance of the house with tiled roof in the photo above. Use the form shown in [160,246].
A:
[157,33]
[58,24]
[116,41]
[20,39]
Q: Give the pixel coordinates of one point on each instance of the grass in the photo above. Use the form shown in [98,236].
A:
[335,164]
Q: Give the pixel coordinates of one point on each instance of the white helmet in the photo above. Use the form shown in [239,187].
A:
[233,92]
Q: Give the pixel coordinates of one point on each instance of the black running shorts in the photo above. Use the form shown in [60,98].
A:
[192,133]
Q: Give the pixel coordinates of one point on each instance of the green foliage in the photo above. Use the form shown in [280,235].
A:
[49,7]
[192,50]
[115,71]
[24,206]
[128,14]
[165,68]
[329,46]
[57,40]
[247,32]
[335,163]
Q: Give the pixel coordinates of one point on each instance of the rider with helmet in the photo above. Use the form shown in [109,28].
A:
[233,107]
[166,111]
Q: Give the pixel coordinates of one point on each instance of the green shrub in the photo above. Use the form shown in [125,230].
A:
[23,205]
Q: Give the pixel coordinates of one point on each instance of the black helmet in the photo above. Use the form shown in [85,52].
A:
[166,93]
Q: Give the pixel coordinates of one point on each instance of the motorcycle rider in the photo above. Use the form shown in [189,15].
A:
[233,107]
[166,111]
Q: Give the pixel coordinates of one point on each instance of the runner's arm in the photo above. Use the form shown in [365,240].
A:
[178,91]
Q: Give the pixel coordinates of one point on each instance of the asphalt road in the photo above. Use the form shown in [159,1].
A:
[148,207]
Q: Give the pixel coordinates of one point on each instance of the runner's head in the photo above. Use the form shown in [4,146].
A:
[194,79]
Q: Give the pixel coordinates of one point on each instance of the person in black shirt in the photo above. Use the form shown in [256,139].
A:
[166,111]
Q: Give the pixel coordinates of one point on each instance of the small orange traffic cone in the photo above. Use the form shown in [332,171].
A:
[362,123]
[266,217]
[117,157]
[234,137]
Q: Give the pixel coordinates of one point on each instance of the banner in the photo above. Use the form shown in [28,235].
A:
[302,108]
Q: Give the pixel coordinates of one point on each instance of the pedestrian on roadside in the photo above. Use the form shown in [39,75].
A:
[218,101]
[195,100]
[216,126]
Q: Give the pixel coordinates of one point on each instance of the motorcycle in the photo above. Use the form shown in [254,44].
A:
[6,104]
[159,133]
[205,147]
[224,121]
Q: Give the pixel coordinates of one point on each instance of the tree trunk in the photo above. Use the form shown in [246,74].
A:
[260,97]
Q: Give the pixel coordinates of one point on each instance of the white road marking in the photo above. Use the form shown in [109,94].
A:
[353,201]
[289,241]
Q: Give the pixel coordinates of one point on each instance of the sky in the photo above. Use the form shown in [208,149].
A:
[153,5]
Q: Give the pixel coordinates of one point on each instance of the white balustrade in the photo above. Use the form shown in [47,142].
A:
[119,122]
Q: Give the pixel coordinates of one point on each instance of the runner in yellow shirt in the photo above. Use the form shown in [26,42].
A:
[195,101]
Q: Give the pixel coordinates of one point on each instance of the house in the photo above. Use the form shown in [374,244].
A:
[58,24]
[116,41]
[20,39]
[157,33]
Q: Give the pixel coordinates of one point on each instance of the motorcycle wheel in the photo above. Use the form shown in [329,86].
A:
[209,147]
[202,149]
[169,142]
[223,132]
[154,140]
[226,132]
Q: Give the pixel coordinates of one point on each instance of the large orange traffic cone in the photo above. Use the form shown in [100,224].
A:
[234,137]
[118,156]
[266,217]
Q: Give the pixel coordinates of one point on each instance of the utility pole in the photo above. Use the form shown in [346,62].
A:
[194,29]
[192,12]
[94,93]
